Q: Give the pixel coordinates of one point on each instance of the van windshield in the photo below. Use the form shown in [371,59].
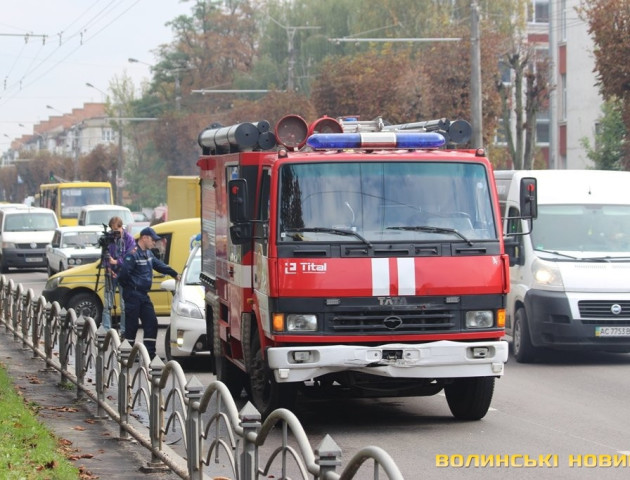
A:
[582,228]
[29,222]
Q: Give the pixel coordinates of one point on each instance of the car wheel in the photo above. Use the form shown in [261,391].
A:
[522,347]
[167,344]
[86,304]
[49,270]
[469,398]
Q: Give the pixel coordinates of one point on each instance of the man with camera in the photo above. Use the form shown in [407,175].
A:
[118,243]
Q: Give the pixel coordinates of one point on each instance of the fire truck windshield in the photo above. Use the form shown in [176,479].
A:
[385,201]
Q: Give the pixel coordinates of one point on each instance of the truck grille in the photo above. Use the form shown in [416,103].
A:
[400,322]
[604,309]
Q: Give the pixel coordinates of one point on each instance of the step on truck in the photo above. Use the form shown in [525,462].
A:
[356,258]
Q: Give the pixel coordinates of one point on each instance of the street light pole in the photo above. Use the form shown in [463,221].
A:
[118,171]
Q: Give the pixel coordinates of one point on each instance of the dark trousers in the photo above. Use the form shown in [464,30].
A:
[138,305]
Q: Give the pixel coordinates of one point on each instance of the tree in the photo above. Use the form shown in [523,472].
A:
[609,25]
[522,99]
[607,153]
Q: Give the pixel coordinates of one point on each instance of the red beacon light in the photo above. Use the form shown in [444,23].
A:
[291,132]
[376,140]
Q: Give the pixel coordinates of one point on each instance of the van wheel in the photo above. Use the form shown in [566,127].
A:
[3,267]
[469,398]
[522,347]
[86,304]
[267,394]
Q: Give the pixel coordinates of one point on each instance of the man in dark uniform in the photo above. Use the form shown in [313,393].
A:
[136,277]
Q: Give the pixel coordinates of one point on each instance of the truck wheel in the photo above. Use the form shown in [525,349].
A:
[228,373]
[469,398]
[232,376]
[524,351]
[267,394]
[86,304]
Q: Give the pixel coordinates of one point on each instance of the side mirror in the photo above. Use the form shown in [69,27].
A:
[237,192]
[529,198]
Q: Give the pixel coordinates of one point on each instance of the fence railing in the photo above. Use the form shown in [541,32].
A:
[217,438]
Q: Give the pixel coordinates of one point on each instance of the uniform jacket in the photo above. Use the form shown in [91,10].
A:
[137,270]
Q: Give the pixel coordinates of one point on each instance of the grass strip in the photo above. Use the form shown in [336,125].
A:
[28,450]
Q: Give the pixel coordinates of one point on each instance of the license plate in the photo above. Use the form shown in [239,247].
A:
[34,259]
[612,331]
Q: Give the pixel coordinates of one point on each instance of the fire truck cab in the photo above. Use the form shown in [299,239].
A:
[351,257]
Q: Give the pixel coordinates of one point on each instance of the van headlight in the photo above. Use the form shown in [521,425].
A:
[546,275]
[300,322]
[479,319]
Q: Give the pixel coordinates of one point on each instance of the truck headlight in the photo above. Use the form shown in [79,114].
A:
[547,275]
[299,322]
[479,319]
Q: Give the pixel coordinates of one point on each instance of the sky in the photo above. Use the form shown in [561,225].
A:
[86,41]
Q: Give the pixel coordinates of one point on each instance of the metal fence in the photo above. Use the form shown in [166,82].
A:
[217,438]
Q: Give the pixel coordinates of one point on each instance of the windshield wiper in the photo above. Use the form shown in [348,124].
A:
[337,231]
[554,252]
[429,229]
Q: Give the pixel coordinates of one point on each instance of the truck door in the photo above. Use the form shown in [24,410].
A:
[260,270]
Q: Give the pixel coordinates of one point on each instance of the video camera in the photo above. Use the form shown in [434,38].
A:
[108,237]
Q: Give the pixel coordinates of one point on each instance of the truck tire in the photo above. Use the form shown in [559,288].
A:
[86,304]
[227,373]
[469,398]
[268,395]
[522,347]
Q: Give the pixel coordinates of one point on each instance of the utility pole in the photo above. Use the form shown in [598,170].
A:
[291,31]
[475,77]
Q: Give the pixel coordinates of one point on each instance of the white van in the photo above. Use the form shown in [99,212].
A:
[101,214]
[570,284]
[24,234]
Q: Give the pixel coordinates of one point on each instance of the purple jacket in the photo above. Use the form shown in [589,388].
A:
[120,248]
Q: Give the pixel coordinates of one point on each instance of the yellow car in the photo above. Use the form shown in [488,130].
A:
[82,288]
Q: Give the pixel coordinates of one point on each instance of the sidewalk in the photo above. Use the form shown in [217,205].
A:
[92,443]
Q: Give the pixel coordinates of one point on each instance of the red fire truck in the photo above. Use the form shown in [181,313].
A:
[352,257]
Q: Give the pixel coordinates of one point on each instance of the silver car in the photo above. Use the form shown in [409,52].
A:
[185,336]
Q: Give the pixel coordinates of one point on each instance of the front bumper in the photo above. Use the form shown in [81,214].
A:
[441,359]
[24,258]
[191,333]
[555,320]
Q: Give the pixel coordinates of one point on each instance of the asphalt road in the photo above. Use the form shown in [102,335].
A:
[566,416]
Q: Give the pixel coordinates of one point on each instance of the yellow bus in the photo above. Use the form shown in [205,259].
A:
[66,199]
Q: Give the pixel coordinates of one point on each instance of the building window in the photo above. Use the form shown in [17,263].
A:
[107,135]
[538,11]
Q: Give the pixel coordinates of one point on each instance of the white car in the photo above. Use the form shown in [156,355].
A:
[73,246]
[185,336]
[101,214]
